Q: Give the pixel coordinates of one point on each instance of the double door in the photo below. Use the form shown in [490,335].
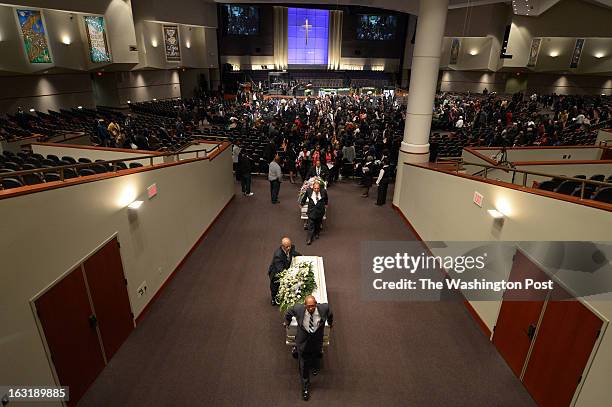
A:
[546,338]
[85,317]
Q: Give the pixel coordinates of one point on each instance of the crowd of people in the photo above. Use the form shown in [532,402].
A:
[537,120]
[319,137]
[126,134]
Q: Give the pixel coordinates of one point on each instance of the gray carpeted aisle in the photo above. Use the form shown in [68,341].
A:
[212,338]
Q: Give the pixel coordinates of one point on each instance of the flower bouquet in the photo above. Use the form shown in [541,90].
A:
[296,283]
[308,184]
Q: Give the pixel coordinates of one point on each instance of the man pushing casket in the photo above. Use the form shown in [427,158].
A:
[317,201]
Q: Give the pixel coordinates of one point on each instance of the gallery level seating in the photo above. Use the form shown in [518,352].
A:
[44,126]
[574,187]
[24,161]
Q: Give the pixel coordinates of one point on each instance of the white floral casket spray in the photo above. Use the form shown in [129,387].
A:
[295,284]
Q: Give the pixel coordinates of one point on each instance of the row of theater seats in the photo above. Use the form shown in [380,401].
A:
[10,163]
[45,125]
[83,120]
[446,145]
[574,188]
[255,143]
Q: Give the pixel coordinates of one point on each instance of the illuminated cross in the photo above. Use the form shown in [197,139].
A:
[307,26]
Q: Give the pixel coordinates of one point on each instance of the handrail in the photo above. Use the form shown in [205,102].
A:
[113,163]
[487,168]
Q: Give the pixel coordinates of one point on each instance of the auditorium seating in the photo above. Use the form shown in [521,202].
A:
[24,161]
[574,188]
[44,126]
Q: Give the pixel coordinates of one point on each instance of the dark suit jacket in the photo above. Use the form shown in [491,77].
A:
[315,211]
[304,341]
[324,172]
[280,261]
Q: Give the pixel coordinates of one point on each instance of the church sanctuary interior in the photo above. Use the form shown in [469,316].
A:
[317,202]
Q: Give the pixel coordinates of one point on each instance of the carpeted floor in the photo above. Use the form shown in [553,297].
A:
[212,338]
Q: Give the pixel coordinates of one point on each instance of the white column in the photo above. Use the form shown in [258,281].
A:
[423,81]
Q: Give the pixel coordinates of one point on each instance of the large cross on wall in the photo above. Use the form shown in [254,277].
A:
[307,26]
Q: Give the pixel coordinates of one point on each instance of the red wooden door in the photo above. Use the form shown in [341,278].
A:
[64,312]
[565,340]
[519,314]
[107,286]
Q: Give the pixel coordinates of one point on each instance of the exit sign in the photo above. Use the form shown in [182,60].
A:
[478,199]
[152,191]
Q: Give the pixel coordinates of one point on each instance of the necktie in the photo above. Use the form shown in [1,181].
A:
[311,324]
[318,170]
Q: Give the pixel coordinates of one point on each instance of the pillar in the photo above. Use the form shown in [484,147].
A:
[423,82]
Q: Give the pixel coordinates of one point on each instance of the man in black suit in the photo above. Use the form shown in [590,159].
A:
[280,261]
[317,203]
[243,170]
[311,318]
[319,171]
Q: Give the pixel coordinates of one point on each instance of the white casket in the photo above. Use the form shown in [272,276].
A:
[320,294]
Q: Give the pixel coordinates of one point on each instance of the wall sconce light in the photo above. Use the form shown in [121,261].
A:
[599,55]
[66,40]
[32,110]
[135,205]
[154,43]
[474,52]
[495,214]
[188,44]
[129,101]
[554,54]
[154,99]
[80,107]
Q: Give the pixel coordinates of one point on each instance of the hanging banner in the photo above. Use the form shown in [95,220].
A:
[534,52]
[96,36]
[171,41]
[454,51]
[34,36]
[577,53]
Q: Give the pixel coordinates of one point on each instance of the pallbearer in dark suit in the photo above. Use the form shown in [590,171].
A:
[317,203]
[280,261]
[319,171]
[311,318]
